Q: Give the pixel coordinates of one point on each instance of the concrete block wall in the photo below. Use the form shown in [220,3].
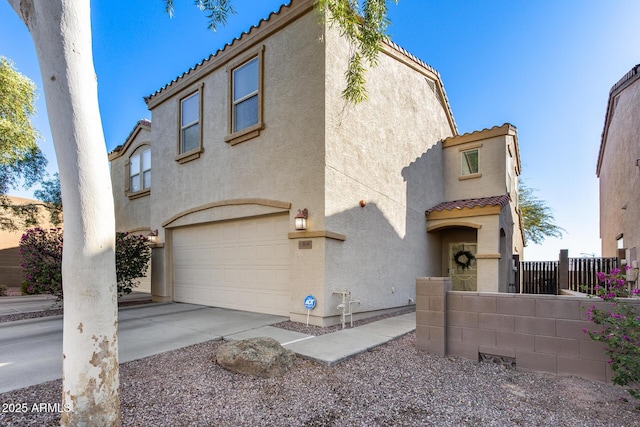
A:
[541,332]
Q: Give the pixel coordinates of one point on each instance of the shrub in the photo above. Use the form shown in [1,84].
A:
[132,260]
[3,291]
[41,252]
[620,331]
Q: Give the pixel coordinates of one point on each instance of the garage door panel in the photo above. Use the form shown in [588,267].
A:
[240,264]
[271,301]
[282,254]
[265,231]
[247,278]
[282,279]
[246,253]
[265,255]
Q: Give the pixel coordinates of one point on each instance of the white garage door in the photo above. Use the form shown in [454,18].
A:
[241,264]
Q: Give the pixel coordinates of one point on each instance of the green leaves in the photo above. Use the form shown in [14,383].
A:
[365,29]
[21,161]
[619,329]
[363,24]
[537,218]
[132,260]
[17,104]
[41,252]
[217,11]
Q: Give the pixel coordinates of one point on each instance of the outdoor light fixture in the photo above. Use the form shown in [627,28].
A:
[153,236]
[301,219]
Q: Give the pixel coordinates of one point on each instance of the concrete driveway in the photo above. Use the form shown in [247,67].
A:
[31,350]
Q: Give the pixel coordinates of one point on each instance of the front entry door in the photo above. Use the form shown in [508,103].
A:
[463,267]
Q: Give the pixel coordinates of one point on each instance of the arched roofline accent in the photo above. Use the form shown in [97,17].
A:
[451,224]
[276,204]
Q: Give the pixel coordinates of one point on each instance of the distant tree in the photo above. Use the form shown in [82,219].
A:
[20,216]
[21,161]
[51,198]
[538,221]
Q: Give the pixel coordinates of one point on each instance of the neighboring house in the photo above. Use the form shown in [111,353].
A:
[259,133]
[131,180]
[10,259]
[618,170]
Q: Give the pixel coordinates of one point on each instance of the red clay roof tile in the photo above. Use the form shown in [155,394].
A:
[471,203]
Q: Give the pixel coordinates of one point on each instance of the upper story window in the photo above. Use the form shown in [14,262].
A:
[470,162]
[190,126]
[245,96]
[140,171]
[190,123]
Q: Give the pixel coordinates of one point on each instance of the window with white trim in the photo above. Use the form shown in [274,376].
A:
[140,171]
[190,123]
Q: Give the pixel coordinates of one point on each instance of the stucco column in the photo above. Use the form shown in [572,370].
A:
[488,257]
[159,291]
[162,269]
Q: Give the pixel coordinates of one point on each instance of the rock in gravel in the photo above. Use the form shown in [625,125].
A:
[262,357]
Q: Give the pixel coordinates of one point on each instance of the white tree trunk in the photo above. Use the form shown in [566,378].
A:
[61,31]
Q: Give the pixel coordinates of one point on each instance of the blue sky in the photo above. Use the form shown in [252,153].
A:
[545,66]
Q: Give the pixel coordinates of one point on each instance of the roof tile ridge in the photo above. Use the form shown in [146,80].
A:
[219,51]
[488,129]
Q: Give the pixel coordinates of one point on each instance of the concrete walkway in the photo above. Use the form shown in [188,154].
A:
[31,350]
[32,303]
[27,304]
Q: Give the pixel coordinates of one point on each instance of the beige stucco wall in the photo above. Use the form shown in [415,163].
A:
[499,169]
[492,167]
[132,214]
[619,177]
[319,153]
[386,152]
[10,259]
[285,163]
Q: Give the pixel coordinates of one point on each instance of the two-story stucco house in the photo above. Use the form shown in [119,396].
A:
[258,134]
[618,170]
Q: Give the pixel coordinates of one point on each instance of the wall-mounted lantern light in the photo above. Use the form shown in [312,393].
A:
[301,219]
[153,236]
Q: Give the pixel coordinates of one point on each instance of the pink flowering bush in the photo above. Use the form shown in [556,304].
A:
[41,252]
[619,331]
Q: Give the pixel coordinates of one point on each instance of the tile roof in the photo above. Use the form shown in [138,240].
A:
[471,203]
[626,80]
[141,122]
[225,48]
[301,4]
[505,126]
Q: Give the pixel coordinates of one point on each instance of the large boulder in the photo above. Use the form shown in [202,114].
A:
[262,357]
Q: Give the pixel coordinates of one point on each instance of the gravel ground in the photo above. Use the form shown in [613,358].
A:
[392,385]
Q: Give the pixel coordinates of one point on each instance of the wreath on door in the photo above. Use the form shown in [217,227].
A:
[463,259]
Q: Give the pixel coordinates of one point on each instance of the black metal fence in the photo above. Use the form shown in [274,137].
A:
[544,277]
[583,272]
[539,277]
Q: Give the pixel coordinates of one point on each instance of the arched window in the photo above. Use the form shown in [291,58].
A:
[140,171]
